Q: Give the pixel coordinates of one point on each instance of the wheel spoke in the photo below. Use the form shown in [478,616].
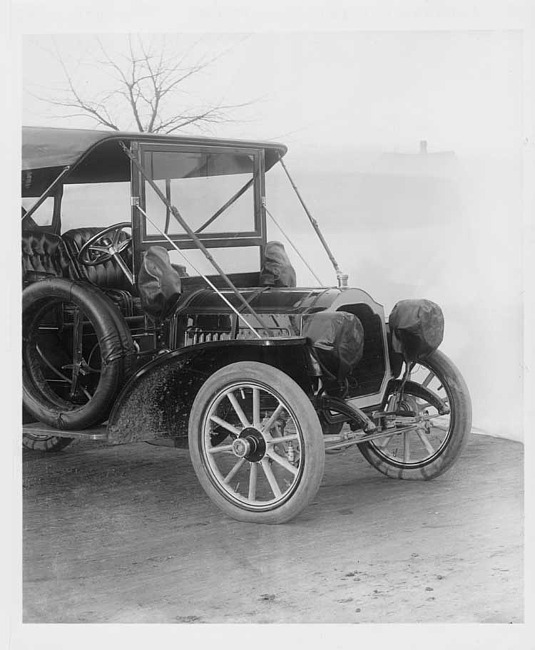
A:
[238,409]
[256,408]
[428,379]
[225,425]
[271,477]
[383,442]
[406,447]
[274,416]
[253,473]
[282,461]
[426,442]
[233,471]
[219,449]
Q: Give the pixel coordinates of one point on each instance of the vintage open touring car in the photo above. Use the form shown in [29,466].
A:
[126,337]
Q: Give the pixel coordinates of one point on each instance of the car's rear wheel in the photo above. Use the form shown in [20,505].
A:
[430,442]
[40,442]
[76,350]
[256,443]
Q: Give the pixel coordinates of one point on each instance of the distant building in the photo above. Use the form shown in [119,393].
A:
[442,164]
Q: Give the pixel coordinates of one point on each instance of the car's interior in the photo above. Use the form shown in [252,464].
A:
[45,254]
[216,189]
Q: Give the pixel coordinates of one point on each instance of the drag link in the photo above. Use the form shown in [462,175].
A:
[357,440]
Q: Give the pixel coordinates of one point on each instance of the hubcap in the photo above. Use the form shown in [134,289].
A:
[241,447]
[250,445]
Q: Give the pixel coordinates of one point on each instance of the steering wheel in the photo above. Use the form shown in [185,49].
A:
[105,245]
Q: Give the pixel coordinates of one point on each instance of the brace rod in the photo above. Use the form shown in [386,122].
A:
[342,277]
[222,209]
[195,239]
[205,278]
[46,193]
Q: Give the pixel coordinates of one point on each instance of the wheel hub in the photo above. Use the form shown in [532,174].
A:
[250,445]
[241,447]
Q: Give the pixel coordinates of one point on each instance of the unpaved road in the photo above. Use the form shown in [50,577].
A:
[126,535]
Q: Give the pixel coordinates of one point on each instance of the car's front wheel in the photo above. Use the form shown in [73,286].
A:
[433,437]
[256,443]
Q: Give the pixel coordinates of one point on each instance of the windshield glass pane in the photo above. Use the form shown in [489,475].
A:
[213,192]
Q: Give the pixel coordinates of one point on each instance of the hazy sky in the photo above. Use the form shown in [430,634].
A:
[459,90]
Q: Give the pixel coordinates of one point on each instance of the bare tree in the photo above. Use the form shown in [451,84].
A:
[147,89]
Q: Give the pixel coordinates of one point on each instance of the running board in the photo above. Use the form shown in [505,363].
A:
[40,429]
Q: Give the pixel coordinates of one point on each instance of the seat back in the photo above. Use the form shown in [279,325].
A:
[108,275]
[43,255]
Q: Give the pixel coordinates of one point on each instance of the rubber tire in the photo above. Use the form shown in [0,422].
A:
[45,443]
[461,417]
[314,459]
[115,342]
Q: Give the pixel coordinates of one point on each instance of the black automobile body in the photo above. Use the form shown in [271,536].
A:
[259,377]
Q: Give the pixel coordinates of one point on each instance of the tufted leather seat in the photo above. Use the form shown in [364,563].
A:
[43,255]
[108,275]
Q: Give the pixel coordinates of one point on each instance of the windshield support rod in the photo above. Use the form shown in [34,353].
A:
[46,193]
[342,278]
[222,209]
[195,239]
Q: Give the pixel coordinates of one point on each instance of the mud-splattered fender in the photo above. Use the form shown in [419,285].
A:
[156,400]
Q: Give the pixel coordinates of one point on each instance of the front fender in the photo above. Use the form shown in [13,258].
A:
[156,400]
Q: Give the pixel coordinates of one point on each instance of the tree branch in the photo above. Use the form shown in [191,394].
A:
[147,80]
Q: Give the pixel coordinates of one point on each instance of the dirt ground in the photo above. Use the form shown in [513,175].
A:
[126,535]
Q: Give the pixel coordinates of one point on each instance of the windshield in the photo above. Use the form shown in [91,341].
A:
[214,191]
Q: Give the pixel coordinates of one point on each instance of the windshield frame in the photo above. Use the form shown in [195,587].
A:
[255,237]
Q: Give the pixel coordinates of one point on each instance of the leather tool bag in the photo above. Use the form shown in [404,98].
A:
[159,284]
[417,328]
[276,268]
[338,340]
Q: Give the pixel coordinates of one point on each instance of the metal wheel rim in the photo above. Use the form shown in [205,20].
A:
[38,436]
[253,485]
[418,447]
[54,375]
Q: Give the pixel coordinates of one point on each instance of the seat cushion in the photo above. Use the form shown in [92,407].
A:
[43,255]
